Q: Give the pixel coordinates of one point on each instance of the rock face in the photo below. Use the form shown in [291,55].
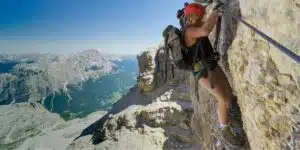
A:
[144,123]
[34,78]
[265,81]
[156,70]
[205,120]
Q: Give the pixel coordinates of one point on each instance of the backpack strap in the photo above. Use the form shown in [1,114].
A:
[167,56]
[218,29]
[185,50]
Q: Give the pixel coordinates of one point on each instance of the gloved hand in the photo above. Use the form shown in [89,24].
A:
[220,8]
[203,1]
[219,5]
[179,13]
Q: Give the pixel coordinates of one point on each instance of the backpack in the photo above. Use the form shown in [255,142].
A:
[177,52]
[175,49]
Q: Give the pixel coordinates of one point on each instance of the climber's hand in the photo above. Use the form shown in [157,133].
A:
[219,5]
[219,8]
[220,12]
[203,1]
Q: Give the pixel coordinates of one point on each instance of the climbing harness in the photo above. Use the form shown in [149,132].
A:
[218,29]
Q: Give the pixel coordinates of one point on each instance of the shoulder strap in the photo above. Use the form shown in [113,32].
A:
[166,43]
[196,50]
[167,56]
[184,48]
[198,45]
[218,29]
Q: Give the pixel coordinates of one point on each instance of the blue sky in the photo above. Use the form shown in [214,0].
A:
[67,26]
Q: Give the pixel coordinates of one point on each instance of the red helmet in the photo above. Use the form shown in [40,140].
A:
[194,8]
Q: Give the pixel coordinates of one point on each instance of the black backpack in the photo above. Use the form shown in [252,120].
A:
[174,46]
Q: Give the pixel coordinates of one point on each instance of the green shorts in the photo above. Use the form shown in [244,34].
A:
[199,71]
[199,74]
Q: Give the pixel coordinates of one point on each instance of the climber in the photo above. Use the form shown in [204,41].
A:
[206,69]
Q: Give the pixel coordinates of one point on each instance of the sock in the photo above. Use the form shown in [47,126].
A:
[222,126]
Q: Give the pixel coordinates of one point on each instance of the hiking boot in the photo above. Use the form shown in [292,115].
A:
[231,137]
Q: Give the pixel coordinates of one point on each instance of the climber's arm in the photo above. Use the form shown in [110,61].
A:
[206,28]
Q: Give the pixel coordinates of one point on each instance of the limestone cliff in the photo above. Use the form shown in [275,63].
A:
[265,81]
[156,71]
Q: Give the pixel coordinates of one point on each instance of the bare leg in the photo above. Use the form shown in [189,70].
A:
[222,91]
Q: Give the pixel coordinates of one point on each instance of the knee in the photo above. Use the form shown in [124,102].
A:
[206,84]
[223,94]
